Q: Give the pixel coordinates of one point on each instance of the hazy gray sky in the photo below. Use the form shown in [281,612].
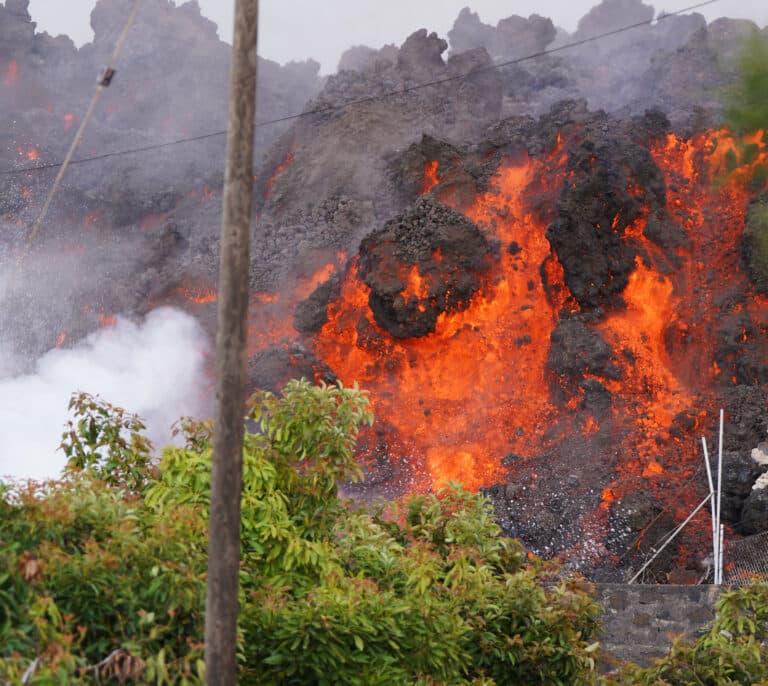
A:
[323,29]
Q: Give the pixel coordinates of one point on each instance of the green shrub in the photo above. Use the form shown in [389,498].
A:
[106,578]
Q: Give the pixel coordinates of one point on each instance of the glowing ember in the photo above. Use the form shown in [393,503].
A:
[29,153]
[430,179]
[280,169]
[198,296]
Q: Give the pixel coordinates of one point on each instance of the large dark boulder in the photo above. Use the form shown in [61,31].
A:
[310,314]
[740,472]
[575,349]
[425,262]
[754,516]
[270,369]
[613,182]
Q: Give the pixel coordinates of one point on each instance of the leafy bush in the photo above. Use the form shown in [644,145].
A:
[102,574]
[107,443]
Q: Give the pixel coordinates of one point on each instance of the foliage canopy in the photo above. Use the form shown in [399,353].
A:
[103,572]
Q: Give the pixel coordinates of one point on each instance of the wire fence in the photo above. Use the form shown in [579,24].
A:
[746,561]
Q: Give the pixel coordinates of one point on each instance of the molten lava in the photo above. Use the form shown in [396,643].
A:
[199,296]
[270,314]
[473,400]
[280,169]
[476,389]
[430,179]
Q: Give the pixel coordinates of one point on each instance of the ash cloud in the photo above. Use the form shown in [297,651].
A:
[154,368]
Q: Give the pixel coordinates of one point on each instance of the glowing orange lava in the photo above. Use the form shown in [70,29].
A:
[430,179]
[30,153]
[270,315]
[280,169]
[476,388]
[199,296]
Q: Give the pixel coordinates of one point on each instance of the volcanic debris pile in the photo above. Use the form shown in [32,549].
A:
[548,275]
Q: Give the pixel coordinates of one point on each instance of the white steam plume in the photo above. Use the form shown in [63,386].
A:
[154,369]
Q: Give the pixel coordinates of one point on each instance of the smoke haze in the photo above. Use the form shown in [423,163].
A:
[154,369]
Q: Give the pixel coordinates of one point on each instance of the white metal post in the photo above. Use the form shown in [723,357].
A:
[712,509]
[720,555]
[719,494]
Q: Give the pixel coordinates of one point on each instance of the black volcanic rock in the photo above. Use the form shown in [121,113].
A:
[576,349]
[445,251]
[597,398]
[746,417]
[754,517]
[740,472]
[272,368]
[596,208]
[310,314]
[741,348]
[408,169]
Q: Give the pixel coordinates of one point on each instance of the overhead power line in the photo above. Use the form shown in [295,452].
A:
[333,107]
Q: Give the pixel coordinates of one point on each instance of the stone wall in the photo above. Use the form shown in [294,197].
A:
[639,619]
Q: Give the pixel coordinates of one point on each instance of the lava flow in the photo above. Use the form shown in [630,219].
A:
[475,390]
[569,318]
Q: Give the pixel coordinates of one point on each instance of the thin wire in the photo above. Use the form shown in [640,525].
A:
[331,107]
[103,83]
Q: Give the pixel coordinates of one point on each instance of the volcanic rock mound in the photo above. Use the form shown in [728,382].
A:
[425,262]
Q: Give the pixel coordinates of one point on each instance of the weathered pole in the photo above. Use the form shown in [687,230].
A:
[226,480]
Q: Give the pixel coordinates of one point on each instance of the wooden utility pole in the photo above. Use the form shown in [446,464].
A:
[226,480]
